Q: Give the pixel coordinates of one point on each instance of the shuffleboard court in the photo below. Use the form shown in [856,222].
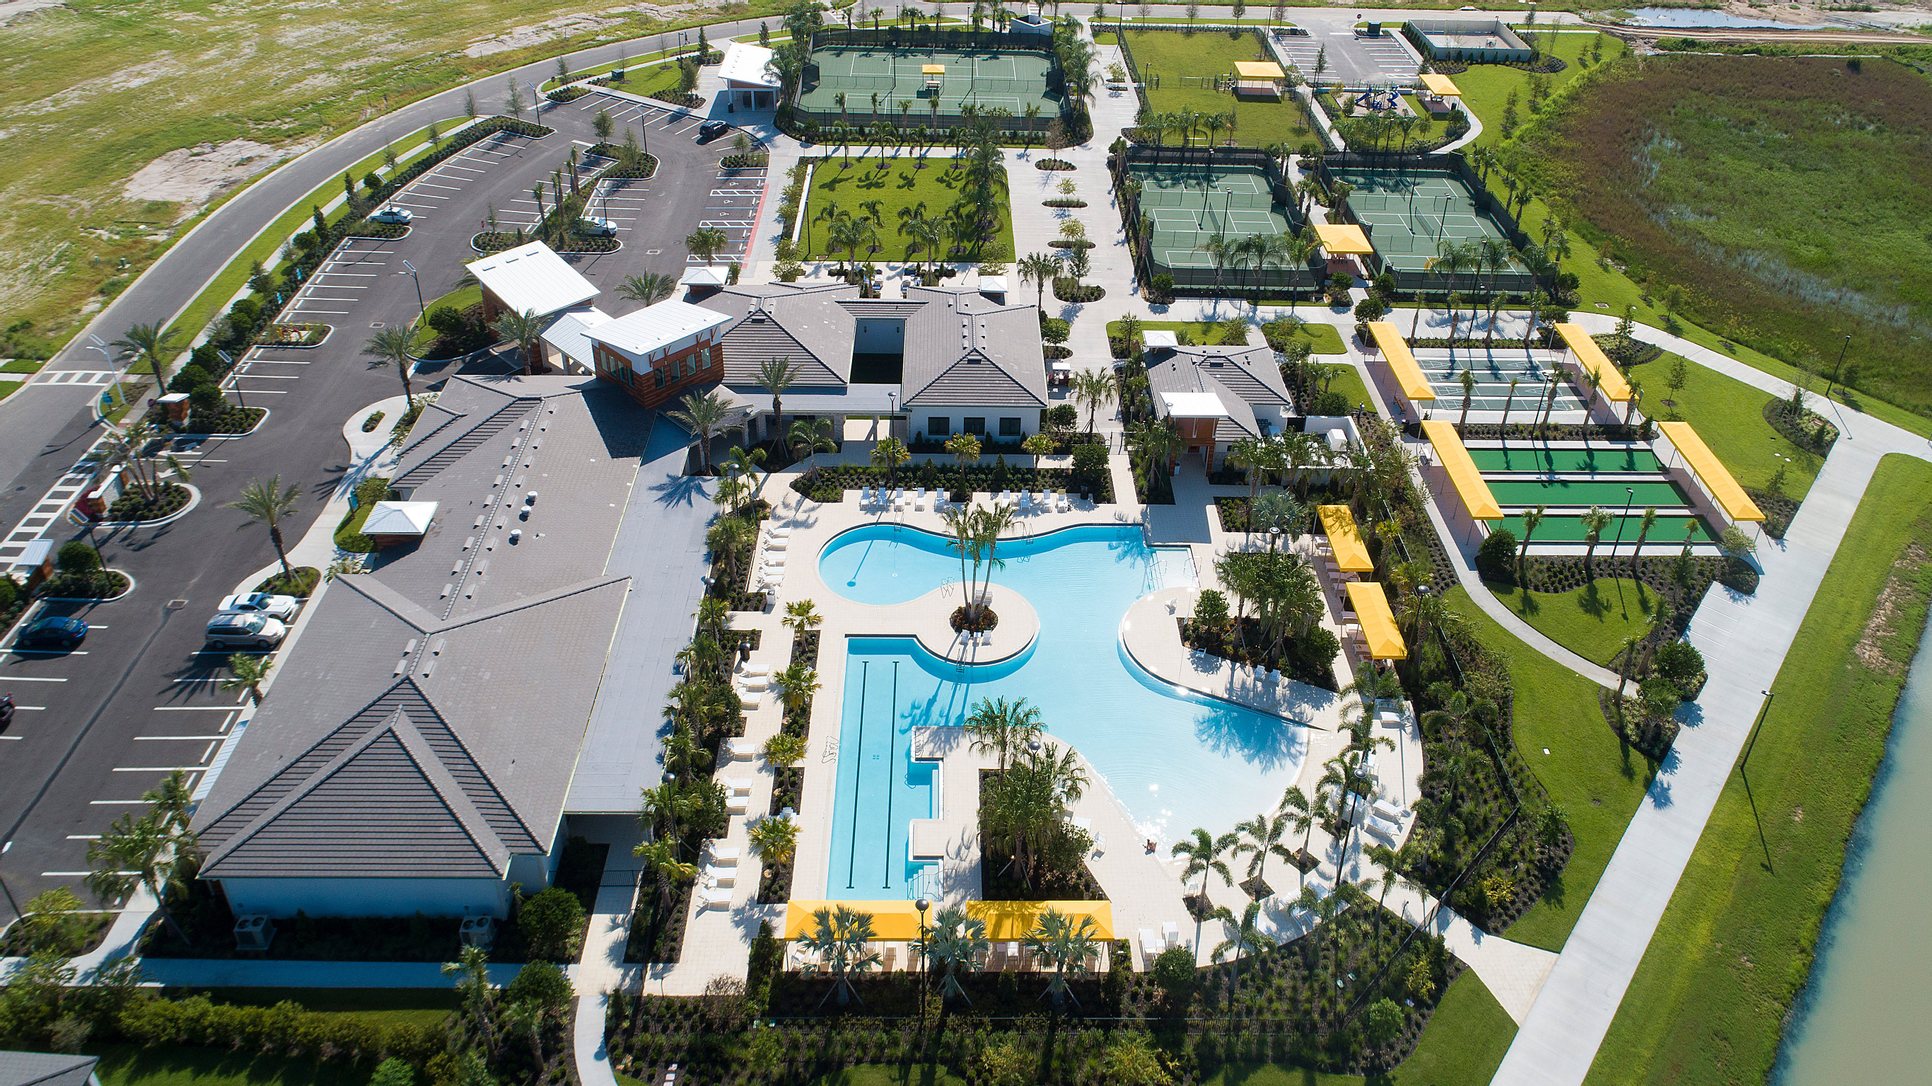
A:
[1567,459]
[1556,529]
[1573,491]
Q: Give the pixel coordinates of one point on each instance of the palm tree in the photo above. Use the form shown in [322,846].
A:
[808,436]
[956,944]
[802,615]
[776,375]
[150,852]
[1626,657]
[773,840]
[1594,522]
[649,288]
[1092,389]
[1067,943]
[799,682]
[1468,381]
[1003,728]
[891,454]
[660,856]
[151,344]
[525,329]
[390,347]
[1204,852]
[1038,269]
[703,415]
[248,671]
[268,502]
[1507,403]
[1301,816]
[1532,519]
[841,939]
[705,242]
[1643,530]
[1260,838]
[1247,936]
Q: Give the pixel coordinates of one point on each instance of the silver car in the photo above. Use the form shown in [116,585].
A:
[239,631]
[262,603]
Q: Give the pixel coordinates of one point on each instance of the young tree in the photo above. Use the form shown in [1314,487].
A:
[840,940]
[649,288]
[704,415]
[1092,389]
[552,923]
[956,944]
[773,840]
[1203,852]
[603,125]
[525,329]
[776,376]
[390,347]
[248,671]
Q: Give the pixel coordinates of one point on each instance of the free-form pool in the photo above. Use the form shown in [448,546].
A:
[1175,761]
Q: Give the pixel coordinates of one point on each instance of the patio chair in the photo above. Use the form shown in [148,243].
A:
[865,496]
[1062,502]
[738,803]
[1151,946]
[777,543]
[891,958]
[1171,932]
[739,785]
[1381,827]
[725,854]
[715,898]
[1026,501]
[739,748]
[1383,808]
[780,532]
[720,876]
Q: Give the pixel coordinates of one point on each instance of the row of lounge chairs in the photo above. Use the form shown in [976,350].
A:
[916,499]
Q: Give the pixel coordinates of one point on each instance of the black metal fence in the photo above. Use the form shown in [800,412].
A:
[1273,280]
[1415,280]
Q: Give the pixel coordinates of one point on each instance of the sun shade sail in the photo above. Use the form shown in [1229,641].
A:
[1008,920]
[1730,496]
[1371,606]
[1594,361]
[1258,69]
[1401,361]
[1345,539]
[1462,470]
[892,921]
[1440,85]
[1343,239]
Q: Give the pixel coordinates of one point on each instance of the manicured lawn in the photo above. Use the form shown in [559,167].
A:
[1175,58]
[1729,416]
[1591,621]
[1485,87]
[1322,338]
[862,188]
[1593,777]
[1345,379]
[7,388]
[126,1065]
[1736,944]
[459,299]
[375,1006]
[23,365]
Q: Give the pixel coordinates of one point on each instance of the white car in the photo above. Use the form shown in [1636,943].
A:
[400,216]
[261,603]
[597,228]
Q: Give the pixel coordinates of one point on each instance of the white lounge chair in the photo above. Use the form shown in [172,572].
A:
[865,496]
[1061,502]
[776,544]
[736,785]
[738,803]
[1381,827]
[918,497]
[750,683]
[1044,501]
[1151,946]
[721,876]
[1026,501]
[1005,498]
[1171,932]
[724,854]
[754,669]
[739,748]
[715,898]
[780,531]
[1383,808]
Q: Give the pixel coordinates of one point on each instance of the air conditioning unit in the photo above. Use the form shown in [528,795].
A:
[254,932]
[477,931]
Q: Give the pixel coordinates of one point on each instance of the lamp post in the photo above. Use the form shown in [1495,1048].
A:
[1835,370]
[922,905]
[422,311]
[1274,538]
[1755,725]
[1629,496]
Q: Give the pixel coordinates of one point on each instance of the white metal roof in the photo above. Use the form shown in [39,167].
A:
[747,64]
[705,275]
[532,279]
[1194,405]
[1159,337]
[656,327]
[566,333]
[399,518]
[992,284]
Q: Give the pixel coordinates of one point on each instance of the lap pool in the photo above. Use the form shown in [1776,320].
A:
[1174,761]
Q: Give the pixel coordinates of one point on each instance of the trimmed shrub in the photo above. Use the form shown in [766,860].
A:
[552,923]
[78,558]
[1496,558]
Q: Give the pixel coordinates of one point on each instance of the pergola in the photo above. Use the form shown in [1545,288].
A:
[1345,539]
[1462,470]
[1594,362]
[1440,85]
[1704,463]
[1262,78]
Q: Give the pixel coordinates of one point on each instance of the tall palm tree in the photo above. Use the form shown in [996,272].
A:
[840,938]
[1203,852]
[1092,389]
[1468,382]
[1003,728]
[649,288]
[269,503]
[1532,519]
[956,944]
[1038,269]
[152,344]
[1247,935]
[247,671]
[390,347]
[1644,526]
[808,436]
[660,856]
[1509,402]
[1069,944]
[1301,816]
[705,242]
[777,375]
[1260,838]
[703,415]
[1594,522]
[525,329]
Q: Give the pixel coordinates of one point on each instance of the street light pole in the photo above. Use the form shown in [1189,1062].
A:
[922,905]
[1835,370]
[1629,496]
[422,311]
[1755,725]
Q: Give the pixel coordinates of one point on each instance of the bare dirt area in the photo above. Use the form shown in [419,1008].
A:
[192,176]
[14,9]
[568,26]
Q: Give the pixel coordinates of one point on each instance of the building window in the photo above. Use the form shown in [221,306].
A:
[975,425]
[940,426]
[657,378]
[1010,426]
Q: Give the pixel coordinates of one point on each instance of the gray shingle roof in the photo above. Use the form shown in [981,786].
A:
[779,320]
[1243,378]
[965,350]
[45,1069]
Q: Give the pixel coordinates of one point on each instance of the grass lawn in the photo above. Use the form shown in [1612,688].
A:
[1173,58]
[375,1006]
[1322,338]
[1591,621]
[1729,416]
[866,190]
[22,365]
[1735,946]
[7,388]
[1485,87]
[1345,379]
[127,1065]
[459,299]
[1593,777]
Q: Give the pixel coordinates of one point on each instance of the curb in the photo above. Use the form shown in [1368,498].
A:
[194,499]
[132,584]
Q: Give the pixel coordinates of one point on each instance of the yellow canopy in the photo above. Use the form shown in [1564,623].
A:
[1009,920]
[932,69]
[1440,85]
[892,921]
[1371,606]
[1258,69]
[1462,470]
[1401,361]
[1343,239]
[1345,539]
[1593,360]
[1730,496]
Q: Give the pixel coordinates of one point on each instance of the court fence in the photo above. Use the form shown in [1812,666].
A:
[1423,280]
[1206,282]
[795,115]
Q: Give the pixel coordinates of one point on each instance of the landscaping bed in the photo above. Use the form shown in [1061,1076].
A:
[1308,659]
[229,419]
[1068,289]
[829,484]
[100,584]
[299,581]
[138,505]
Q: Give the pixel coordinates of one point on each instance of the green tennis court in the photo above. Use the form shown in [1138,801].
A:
[1191,203]
[1410,214]
[894,83]
[1555,529]
[1568,459]
[1574,491]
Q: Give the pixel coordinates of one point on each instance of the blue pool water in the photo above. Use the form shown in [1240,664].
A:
[1174,760]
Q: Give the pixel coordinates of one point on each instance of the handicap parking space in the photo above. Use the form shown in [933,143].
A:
[1347,57]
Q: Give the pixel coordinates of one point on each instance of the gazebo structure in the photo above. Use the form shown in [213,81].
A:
[1259,79]
[1344,243]
[1439,92]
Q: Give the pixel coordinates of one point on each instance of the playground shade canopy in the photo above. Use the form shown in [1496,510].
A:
[1440,85]
[1371,606]
[1351,555]
[1009,920]
[1594,361]
[1730,496]
[1258,69]
[1401,361]
[1343,239]
[1462,470]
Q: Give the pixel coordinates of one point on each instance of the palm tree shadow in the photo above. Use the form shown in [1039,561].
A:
[1593,603]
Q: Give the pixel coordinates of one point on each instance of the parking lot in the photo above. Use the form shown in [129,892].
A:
[1347,57]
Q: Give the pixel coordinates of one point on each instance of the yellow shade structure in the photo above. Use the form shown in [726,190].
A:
[1440,85]
[1258,69]
[932,69]
[1343,239]
[1730,496]
[892,921]
[1593,360]
[1401,360]
[1462,470]
[1010,920]
[1345,539]
[1371,606]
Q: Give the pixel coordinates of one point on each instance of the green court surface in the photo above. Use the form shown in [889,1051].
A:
[896,77]
[1569,459]
[1555,529]
[1409,214]
[1195,202]
[1584,492]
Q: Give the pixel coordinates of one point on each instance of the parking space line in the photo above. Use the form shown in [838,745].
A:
[83,837]
[196,708]
[159,768]
[117,802]
[176,738]
[29,678]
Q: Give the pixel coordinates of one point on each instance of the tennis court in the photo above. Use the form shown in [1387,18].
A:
[1409,214]
[1191,203]
[898,82]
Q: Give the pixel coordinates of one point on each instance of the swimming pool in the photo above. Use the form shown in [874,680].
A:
[1174,760]
[1566,458]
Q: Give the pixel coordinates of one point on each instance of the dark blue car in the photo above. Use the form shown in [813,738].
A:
[53,632]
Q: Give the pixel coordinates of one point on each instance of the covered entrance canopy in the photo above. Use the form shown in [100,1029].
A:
[1462,470]
[1379,628]
[1711,472]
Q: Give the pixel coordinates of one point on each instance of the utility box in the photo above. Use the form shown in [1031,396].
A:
[477,931]
[254,933]
[175,404]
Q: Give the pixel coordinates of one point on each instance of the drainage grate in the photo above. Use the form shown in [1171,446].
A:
[176,605]
[375,324]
